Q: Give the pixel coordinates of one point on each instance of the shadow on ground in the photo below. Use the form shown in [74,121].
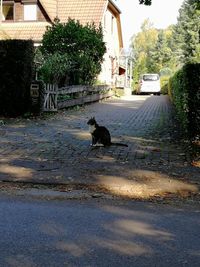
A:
[56,150]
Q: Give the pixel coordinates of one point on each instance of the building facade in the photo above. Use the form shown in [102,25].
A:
[28,19]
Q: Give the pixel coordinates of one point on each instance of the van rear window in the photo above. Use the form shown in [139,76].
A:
[148,77]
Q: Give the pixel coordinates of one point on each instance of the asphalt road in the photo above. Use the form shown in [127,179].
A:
[97,233]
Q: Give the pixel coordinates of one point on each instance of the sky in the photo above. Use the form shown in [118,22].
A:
[161,13]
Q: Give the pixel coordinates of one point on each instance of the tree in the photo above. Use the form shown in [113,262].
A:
[161,56]
[72,53]
[145,2]
[142,45]
[152,50]
[187,33]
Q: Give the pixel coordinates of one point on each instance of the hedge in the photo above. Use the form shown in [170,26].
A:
[184,91]
[164,80]
[16,66]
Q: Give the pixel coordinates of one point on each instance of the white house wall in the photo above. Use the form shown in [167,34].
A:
[111,38]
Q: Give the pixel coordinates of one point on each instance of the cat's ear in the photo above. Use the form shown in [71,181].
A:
[93,118]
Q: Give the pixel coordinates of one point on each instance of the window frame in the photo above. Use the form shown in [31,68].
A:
[33,4]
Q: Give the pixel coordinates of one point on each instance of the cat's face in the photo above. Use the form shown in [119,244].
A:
[91,122]
[92,125]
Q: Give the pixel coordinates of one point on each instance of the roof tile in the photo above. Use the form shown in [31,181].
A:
[23,30]
[83,10]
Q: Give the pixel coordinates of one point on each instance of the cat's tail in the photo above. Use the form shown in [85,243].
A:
[118,144]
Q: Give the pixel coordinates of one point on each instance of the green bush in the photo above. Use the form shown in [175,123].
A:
[184,91]
[77,52]
[164,80]
[16,66]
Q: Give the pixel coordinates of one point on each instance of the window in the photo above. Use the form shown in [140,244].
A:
[112,24]
[8,12]
[150,77]
[30,12]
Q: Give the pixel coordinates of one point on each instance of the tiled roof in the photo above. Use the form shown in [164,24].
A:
[3,34]
[82,10]
[23,30]
[50,6]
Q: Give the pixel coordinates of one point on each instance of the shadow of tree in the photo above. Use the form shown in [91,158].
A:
[57,151]
[102,234]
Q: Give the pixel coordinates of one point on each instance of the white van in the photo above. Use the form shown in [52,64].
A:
[149,84]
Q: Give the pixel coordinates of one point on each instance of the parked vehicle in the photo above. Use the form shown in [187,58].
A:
[149,84]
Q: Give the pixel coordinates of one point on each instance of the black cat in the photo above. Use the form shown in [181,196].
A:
[100,134]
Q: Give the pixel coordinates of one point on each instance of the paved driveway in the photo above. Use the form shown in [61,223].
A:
[56,149]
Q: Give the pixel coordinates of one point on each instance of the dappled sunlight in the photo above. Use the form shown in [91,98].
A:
[120,211]
[124,247]
[73,249]
[18,126]
[144,184]
[195,253]
[131,227]
[54,229]
[121,105]
[128,102]
[57,149]
[16,171]
[8,159]
[82,135]
[135,98]
[142,140]
[20,260]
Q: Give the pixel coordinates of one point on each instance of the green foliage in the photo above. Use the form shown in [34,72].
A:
[152,51]
[142,45]
[171,48]
[161,54]
[76,49]
[187,33]
[145,2]
[179,96]
[164,80]
[184,91]
[55,67]
[16,67]
[165,75]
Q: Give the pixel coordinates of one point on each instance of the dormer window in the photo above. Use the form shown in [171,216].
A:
[30,12]
[8,12]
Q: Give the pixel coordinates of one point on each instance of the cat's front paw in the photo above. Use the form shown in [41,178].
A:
[93,145]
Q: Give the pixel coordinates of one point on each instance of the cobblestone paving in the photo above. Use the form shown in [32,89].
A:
[57,149]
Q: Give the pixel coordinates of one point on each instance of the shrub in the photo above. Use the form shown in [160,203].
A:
[54,68]
[77,49]
[164,80]
[16,67]
[184,91]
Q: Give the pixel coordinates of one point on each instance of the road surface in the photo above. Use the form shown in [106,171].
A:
[95,233]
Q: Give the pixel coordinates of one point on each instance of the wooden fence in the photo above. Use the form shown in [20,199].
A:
[50,97]
[57,98]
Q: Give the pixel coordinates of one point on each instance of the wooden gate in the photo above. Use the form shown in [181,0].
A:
[50,97]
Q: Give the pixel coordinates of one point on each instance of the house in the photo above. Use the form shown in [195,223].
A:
[28,19]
